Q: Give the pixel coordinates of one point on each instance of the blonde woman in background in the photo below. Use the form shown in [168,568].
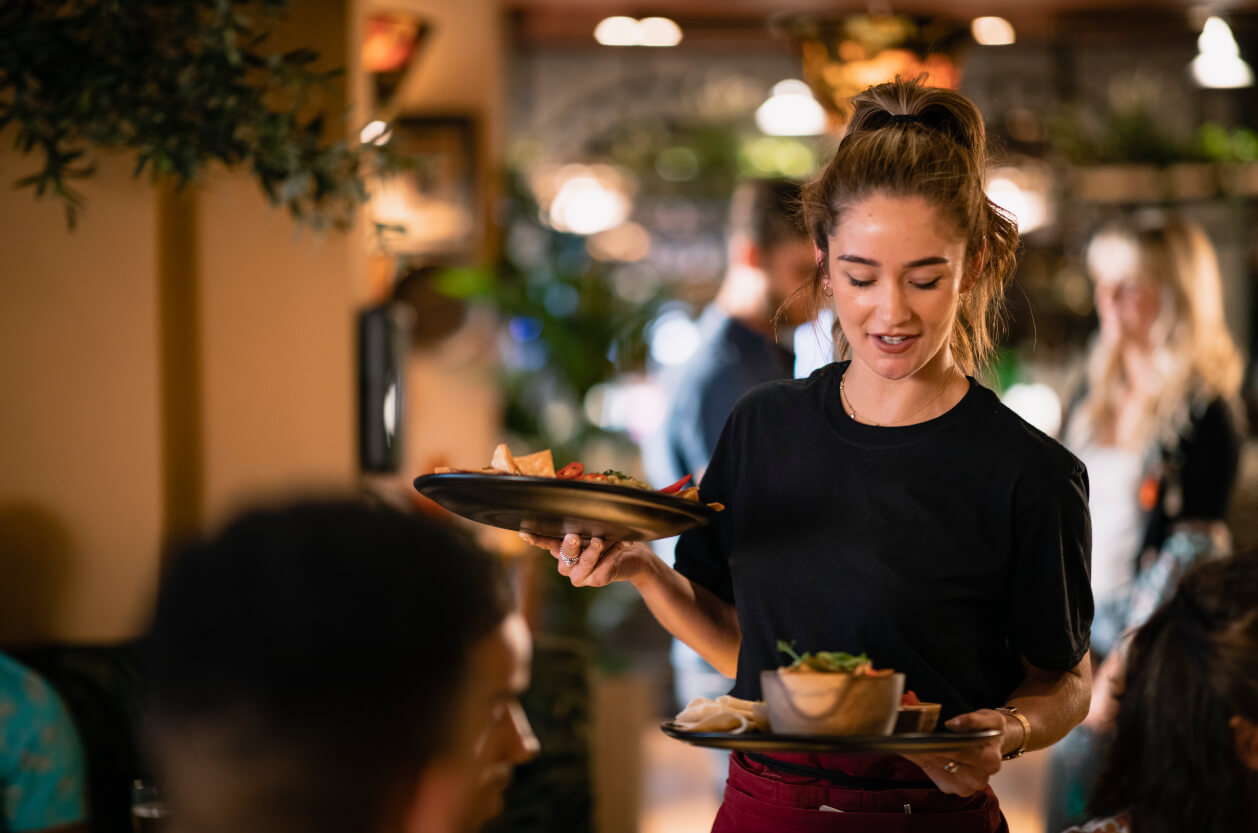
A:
[1158,426]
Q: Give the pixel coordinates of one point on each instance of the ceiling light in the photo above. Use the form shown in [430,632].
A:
[626,31]
[375,133]
[992,31]
[791,111]
[618,31]
[1219,64]
[659,31]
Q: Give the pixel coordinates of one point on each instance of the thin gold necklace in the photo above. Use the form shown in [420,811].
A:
[846,402]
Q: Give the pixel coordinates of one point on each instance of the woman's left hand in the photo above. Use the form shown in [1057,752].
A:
[966,771]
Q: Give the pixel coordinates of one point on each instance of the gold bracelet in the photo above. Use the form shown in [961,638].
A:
[1026,731]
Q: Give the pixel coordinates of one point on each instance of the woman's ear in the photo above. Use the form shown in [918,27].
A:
[1245,733]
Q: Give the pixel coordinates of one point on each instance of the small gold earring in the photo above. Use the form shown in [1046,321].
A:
[825,287]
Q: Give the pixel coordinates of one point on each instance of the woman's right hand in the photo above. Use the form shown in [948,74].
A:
[597,563]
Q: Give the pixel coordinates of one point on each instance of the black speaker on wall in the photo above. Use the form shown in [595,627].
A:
[383,334]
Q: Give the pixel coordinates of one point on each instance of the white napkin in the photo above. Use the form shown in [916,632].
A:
[724,714]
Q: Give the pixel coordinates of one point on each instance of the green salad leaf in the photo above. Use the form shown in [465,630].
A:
[833,662]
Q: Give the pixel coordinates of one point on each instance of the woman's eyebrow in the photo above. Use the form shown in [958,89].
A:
[912,264]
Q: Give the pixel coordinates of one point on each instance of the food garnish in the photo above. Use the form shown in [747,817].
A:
[830,662]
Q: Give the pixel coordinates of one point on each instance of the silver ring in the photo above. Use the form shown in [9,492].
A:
[950,767]
[569,561]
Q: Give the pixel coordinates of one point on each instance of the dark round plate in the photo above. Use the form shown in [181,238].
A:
[552,507]
[891,744]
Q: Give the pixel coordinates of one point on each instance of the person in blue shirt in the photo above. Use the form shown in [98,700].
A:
[42,772]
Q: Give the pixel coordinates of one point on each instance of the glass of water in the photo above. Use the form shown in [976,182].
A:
[148,810]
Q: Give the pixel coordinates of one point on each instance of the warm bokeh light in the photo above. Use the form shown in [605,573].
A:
[584,205]
[658,31]
[627,242]
[992,31]
[1025,193]
[618,31]
[791,111]
[375,133]
[626,31]
[1219,64]
[583,199]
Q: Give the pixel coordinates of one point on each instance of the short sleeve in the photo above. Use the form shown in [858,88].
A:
[1051,595]
[42,772]
[703,552]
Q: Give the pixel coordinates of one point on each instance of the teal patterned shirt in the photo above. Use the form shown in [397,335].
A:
[41,758]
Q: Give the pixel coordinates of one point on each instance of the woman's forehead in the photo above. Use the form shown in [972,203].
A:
[902,218]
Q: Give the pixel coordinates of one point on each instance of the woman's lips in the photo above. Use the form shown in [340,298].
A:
[892,344]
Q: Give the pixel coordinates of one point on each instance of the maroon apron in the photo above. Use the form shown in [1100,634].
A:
[876,794]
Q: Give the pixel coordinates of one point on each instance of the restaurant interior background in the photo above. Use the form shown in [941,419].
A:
[179,353]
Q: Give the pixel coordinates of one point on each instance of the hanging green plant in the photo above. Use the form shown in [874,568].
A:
[182,86]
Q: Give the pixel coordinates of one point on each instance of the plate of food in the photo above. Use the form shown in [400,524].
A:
[528,494]
[824,701]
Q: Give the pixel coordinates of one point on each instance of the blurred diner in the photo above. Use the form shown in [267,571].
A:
[1185,749]
[1159,424]
[332,665]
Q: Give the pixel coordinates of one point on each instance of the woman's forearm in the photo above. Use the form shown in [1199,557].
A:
[693,614]
[1053,703]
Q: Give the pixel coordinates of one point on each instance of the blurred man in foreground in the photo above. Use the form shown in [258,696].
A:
[330,666]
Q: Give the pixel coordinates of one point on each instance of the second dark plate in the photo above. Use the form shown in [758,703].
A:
[889,744]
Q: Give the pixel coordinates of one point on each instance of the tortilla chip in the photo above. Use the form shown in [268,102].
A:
[537,464]
[503,460]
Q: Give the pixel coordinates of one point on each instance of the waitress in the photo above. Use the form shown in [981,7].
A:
[889,504]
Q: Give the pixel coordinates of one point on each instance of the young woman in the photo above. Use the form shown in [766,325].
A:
[889,503]
[1157,426]
[1185,753]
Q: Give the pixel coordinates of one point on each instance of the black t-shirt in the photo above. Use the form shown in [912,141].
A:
[944,550]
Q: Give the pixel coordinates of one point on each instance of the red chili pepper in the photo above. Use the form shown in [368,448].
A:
[571,471]
[675,487]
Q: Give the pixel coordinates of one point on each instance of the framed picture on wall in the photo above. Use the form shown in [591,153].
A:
[432,209]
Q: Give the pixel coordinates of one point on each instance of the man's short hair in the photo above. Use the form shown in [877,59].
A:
[322,644]
[767,212]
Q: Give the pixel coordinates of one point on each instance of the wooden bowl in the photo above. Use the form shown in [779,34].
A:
[804,703]
[920,718]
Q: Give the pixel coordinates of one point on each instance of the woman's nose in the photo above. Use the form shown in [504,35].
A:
[893,304]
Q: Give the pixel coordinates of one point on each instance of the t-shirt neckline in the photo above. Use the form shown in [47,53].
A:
[889,436]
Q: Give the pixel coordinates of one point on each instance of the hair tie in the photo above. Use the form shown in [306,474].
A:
[906,118]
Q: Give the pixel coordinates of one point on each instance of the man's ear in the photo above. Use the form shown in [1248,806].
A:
[436,804]
[1245,733]
[746,252]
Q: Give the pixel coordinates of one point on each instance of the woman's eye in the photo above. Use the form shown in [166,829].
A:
[928,284]
[857,282]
